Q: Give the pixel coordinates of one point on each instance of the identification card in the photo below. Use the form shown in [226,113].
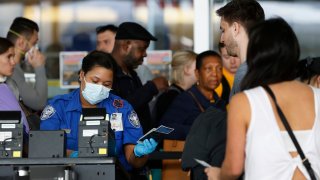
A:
[116,121]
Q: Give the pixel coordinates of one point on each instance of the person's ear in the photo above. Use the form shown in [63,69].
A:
[235,29]
[197,74]
[318,81]
[81,76]
[187,70]
[126,46]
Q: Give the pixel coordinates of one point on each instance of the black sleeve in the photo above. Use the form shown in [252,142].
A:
[176,116]
[138,97]
[197,173]
[195,145]
[216,142]
[162,104]
[143,95]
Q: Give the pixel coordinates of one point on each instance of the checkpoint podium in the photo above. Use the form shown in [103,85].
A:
[61,169]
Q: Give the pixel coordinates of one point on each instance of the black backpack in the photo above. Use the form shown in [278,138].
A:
[206,141]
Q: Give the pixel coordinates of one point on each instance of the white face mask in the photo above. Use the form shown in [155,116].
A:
[31,51]
[95,93]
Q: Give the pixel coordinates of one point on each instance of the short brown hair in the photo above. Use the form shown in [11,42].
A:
[246,12]
[21,26]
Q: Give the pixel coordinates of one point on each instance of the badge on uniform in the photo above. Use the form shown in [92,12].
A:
[118,103]
[47,112]
[116,121]
[134,119]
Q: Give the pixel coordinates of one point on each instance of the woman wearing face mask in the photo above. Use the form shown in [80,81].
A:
[96,77]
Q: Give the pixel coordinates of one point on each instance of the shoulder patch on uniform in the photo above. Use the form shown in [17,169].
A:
[118,103]
[134,119]
[47,112]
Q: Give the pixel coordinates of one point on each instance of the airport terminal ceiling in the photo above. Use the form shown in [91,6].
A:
[171,21]
[62,22]
[58,1]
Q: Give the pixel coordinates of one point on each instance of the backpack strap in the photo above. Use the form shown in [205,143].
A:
[196,100]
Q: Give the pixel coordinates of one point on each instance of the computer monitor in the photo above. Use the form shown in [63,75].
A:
[95,138]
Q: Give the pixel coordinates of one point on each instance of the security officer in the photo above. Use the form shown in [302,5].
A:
[131,43]
[96,77]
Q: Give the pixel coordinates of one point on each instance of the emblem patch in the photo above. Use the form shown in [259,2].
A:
[47,112]
[118,103]
[134,119]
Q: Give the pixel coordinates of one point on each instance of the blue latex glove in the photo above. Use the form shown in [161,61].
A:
[144,148]
[74,154]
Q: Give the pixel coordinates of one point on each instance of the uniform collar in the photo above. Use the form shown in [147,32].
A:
[203,99]
[74,101]
[198,94]
[177,87]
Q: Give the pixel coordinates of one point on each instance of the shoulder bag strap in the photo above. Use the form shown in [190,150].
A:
[26,111]
[196,100]
[305,160]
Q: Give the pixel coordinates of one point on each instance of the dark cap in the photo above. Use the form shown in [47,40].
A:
[131,30]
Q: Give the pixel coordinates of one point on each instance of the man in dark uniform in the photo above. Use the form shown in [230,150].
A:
[132,41]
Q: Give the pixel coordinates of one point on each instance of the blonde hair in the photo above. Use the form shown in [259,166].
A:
[180,60]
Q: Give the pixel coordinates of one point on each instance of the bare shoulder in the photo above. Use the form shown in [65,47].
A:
[296,100]
[239,100]
[296,89]
[239,107]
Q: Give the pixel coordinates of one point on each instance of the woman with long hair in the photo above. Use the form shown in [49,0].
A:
[258,142]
